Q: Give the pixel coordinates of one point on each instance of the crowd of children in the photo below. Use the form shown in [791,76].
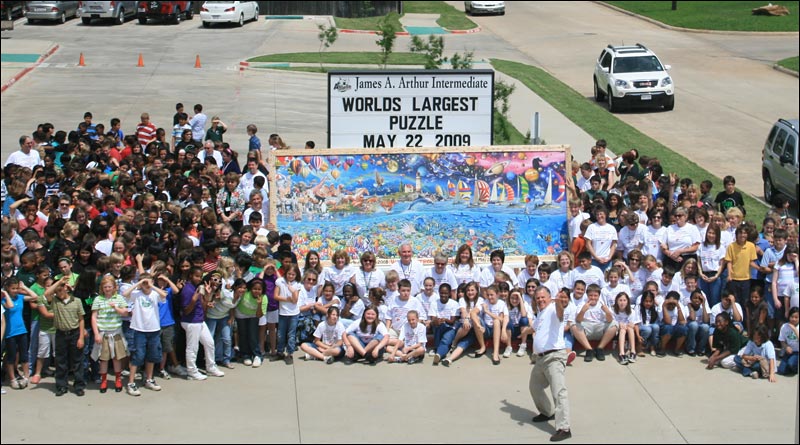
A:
[122,251]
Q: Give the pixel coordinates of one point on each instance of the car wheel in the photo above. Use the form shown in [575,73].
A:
[612,106]
[120,17]
[86,20]
[670,104]
[769,188]
[206,25]
[177,19]
[241,20]
[31,21]
[189,14]
[598,93]
[63,18]
[142,20]
[255,17]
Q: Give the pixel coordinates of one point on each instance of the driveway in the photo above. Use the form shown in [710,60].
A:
[728,96]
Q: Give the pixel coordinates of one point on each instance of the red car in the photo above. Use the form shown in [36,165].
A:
[171,11]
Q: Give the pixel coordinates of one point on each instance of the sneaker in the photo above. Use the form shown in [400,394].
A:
[247,362]
[289,359]
[307,357]
[652,352]
[133,389]
[691,354]
[152,385]
[432,352]
[329,360]
[600,354]
[196,376]
[61,391]
[631,357]
[561,435]
[623,359]
[446,362]
[257,362]
[507,352]
[36,379]
[125,373]
[436,359]
[138,376]
[412,360]
[215,372]
[522,350]
[661,353]
[755,375]
[589,355]
[182,371]
[164,374]
[571,357]
[16,383]
[397,360]
[540,418]
[228,365]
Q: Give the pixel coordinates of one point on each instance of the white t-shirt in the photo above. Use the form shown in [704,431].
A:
[574,227]
[329,334]
[698,313]
[286,307]
[399,309]
[337,276]
[682,237]
[465,274]
[523,276]
[427,301]
[562,279]
[368,335]
[412,336]
[595,314]
[592,275]
[674,313]
[198,124]
[710,257]
[622,317]
[787,335]
[144,311]
[366,281]
[608,294]
[631,239]
[30,160]
[636,282]
[549,331]
[445,277]
[356,310]
[718,309]
[514,314]
[601,238]
[787,279]
[499,307]
[414,272]
[653,238]
[487,276]
[462,304]
[647,319]
[445,310]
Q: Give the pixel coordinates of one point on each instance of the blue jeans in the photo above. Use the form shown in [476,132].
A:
[248,338]
[33,346]
[90,367]
[443,336]
[148,347]
[747,371]
[678,330]
[223,343]
[697,337]
[569,340]
[650,334]
[712,290]
[788,365]
[287,329]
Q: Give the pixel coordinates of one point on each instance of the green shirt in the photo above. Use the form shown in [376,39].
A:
[247,307]
[68,313]
[729,340]
[108,319]
[45,324]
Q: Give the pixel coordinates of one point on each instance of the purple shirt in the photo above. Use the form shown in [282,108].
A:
[269,291]
[197,315]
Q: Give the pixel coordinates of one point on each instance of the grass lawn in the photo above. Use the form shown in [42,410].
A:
[722,16]
[369,23]
[599,123]
[365,58]
[449,16]
[790,63]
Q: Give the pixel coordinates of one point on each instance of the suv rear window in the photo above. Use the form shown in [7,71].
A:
[636,64]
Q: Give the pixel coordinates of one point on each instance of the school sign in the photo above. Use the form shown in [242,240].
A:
[418,108]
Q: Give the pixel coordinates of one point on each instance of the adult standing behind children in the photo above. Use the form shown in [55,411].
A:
[551,364]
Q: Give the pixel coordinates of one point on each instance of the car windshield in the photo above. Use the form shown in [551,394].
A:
[637,64]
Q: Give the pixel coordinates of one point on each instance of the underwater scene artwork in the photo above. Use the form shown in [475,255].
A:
[512,198]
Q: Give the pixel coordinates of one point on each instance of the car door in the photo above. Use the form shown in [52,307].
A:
[786,172]
[603,69]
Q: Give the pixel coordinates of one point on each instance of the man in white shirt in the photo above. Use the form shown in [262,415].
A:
[208,150]
[246,181]
[26,156]
[551,364]
[409,268]
[198,124]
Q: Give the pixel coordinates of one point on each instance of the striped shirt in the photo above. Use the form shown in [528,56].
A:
[107,317]
[145,133]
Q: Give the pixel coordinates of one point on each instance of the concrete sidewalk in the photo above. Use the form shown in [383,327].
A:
[470,402]
[20,56]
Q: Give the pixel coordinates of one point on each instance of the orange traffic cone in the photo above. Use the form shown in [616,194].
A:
[81,61]
[141,61]
[197,62]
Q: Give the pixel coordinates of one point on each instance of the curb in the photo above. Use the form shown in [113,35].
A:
[777,67]
[22,73]
[364,31]
[464,31]
[697,31]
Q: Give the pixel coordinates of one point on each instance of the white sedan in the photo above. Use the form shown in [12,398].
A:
[228,12]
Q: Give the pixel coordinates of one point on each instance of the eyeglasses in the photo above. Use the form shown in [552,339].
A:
[634,259]
[440,264]
[681,216]
[64,204]
[530,287]
[366,260]
[311,280]
[656,217]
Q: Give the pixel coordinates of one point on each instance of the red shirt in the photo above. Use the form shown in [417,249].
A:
[145,133]
[38,225]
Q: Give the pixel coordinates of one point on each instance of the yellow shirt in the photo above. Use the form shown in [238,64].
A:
[740,258]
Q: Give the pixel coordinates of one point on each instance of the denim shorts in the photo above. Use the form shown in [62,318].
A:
[127,332]
[378,338]
[148,347]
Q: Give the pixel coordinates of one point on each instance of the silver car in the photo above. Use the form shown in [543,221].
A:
[51,11]
[779,160]
[118,11]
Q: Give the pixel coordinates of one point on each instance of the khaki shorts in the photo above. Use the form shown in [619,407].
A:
[595,330]
[119,348]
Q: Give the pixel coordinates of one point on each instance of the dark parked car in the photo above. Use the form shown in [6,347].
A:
[171,11]
[12,9]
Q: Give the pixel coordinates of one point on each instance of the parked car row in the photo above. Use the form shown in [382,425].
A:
[117,12]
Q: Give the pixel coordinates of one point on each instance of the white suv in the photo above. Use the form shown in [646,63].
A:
[632,76]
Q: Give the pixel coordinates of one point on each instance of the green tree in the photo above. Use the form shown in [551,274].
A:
[502,92]
[432,50]
[387,35]
[462,62]
[327,36]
